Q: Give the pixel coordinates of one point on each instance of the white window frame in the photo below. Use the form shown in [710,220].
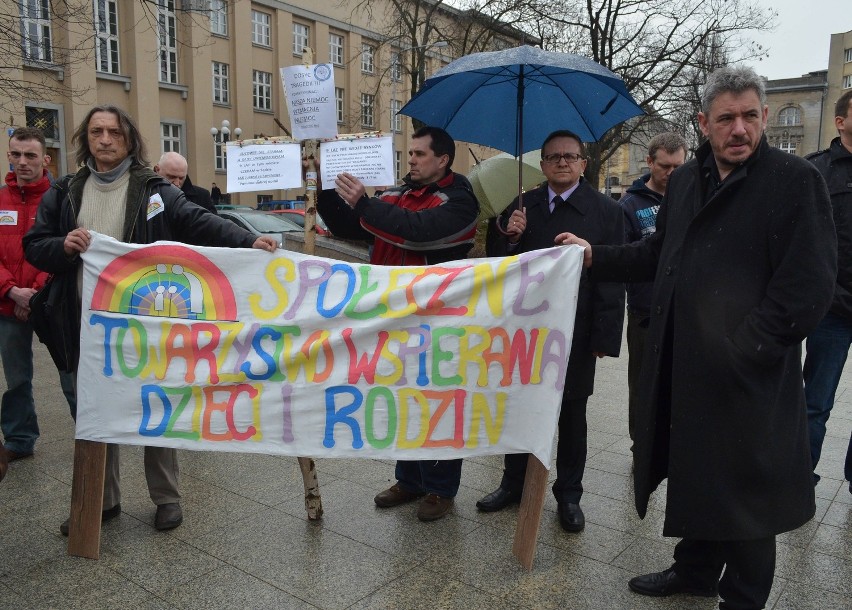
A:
[220,160]
[368,53]
[221,83]
[396,66]
[167,32]
[847,81]
[36,33]
[261,90]
[261,28]
[219,17]
[787,146]
[107,58]
[339,103]
[848,55]
[171,137]
[301,38]
[395,117]
[789,116]
[397,163]
[335,48]
[368,110]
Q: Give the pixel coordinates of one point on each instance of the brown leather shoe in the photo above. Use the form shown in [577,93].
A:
[434,507]
[168,516]
[107,514]
[11,456]
[394,496]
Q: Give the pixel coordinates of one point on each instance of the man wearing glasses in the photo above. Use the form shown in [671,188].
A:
[566,200]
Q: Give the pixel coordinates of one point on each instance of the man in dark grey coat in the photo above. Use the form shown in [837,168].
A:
[566,202]
[744,263]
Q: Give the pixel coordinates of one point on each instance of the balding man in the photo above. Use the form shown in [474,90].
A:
[173,167]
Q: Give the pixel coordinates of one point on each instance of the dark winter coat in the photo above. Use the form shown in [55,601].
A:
[835,165]
[198,195]
[600,305]
[180,221]
[640,206]
[740,281]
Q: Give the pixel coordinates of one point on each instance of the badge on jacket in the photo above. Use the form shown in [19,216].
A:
[8,217]
[155,205]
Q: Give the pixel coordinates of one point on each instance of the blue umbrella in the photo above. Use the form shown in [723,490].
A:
[512,99]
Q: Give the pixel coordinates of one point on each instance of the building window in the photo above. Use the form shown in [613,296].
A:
[367,53]
[106,27]
[847,81]
[220,162]
[790,116]
[367,103]
[35,30]
[221,83]
[395,118]
[172,135]
[301,33]
[219,17]
[397,163]
[396,68]
[338,103]
[335,49]
[848,55]
[262,87]
[260,28]
[788,146]
[44,119]
[167,26]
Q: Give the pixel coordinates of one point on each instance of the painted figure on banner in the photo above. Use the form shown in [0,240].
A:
[115,193]
[430,218]
[744,265]
[566,202]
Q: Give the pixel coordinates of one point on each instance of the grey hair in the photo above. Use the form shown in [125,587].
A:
[734,79]
[669,141]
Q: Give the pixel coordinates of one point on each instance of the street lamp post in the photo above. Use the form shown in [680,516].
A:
[396,76]
[221,135]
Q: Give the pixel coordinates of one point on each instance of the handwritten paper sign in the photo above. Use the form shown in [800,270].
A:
[368,159]
[310,100]
[242,350]
[259,167]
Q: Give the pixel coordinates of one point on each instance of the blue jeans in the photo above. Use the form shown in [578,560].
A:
[17,412]
[827,347]
[440,477]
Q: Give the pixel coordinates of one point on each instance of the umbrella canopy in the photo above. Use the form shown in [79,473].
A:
[495,180]
[512,99]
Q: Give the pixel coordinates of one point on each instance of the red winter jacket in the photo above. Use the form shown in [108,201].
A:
[18,205]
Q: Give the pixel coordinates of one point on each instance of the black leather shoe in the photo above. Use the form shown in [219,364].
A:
[168,516]
[571,517]
[665,583]
[106,515]
[498,499]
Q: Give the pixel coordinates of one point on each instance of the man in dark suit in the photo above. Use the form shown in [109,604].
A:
[173,167]
[566,200]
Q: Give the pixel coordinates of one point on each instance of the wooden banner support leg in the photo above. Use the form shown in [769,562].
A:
[87,495]
[313,500]
[529,514]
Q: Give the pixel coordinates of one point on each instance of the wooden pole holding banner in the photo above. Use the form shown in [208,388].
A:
[529,514]
[87,496]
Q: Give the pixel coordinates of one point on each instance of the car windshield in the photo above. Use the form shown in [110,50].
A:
[268,223]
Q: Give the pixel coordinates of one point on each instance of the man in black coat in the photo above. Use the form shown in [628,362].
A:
[173,167]
[828,346]
[566,203]
[744,261]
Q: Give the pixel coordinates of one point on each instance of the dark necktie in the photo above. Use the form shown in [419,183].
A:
[557,202]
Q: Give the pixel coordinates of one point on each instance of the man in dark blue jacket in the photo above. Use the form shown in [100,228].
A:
[666,152]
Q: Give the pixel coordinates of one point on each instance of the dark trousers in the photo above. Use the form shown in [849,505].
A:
[637,329]
[571,450]
[441,477]
[749,569]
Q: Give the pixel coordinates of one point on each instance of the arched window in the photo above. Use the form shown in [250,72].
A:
[790,116]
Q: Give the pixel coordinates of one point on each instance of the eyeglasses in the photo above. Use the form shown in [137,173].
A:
[556,157]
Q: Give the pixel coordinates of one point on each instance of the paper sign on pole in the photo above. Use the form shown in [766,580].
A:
[310,100]
[368,159]
[261,167]
[236,349]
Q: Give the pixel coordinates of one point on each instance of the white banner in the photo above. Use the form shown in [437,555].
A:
[261,167]
[242,350]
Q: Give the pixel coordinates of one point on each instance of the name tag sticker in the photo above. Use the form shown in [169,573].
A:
[155,206]
[8,217]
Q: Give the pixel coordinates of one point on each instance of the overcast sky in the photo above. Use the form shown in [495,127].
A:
[799,44]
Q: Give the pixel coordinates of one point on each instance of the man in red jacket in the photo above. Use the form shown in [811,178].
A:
[19,280]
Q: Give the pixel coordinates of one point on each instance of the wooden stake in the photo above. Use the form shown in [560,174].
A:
[87,496]
[529,514]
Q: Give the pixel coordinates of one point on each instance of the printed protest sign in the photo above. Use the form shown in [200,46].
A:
[242,350]
[310,100]
[261,167]
[368,159]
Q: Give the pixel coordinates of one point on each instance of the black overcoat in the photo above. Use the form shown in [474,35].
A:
[600,305]
[740,281]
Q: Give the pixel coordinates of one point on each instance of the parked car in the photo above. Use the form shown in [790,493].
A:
[280,204]
[298,216]
[234,206]
[261,223]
